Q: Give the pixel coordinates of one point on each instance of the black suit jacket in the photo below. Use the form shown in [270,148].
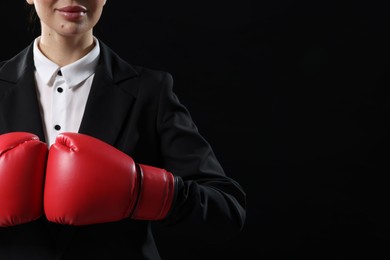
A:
[134,109]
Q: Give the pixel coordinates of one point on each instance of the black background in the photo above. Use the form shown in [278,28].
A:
[293,97]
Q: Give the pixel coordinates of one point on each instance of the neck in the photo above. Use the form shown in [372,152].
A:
[65,50]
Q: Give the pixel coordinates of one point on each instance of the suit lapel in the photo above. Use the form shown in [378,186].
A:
[112,95]
[19,107]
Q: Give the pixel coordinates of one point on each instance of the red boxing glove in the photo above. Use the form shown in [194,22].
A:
[22,169]
[89,182]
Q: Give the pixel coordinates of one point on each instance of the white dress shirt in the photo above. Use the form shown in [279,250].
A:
[63,92]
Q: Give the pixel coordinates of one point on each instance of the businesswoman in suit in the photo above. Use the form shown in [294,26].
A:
[94,151]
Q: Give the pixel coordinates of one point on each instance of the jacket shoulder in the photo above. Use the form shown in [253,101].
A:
[13,68]
[120,66]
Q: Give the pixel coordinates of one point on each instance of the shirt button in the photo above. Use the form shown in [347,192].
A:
[60,90]
[57,127]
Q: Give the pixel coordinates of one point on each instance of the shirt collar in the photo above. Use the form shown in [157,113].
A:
[73,74]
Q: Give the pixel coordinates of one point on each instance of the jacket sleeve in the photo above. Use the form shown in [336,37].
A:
[207,203]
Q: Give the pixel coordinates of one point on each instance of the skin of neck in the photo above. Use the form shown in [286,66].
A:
[65,49]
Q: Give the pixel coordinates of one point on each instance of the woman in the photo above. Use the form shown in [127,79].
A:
[94,151]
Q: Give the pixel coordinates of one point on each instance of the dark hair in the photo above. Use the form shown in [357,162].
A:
[32,18]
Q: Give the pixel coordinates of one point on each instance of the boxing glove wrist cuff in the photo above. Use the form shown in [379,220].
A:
[156,193]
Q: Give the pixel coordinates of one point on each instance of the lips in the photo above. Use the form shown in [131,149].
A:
[73,9]
[72,13]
